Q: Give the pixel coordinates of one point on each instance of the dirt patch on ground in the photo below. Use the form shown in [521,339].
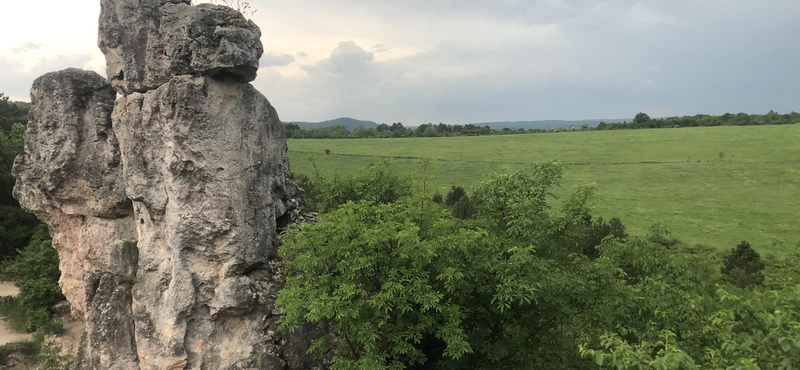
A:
[7,289]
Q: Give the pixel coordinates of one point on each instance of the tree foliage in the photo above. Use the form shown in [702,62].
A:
[526,282]
[406,286]
[640,121]
[743,266]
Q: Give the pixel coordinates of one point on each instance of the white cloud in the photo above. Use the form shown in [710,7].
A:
[273,59]
[27,46]
[380,48]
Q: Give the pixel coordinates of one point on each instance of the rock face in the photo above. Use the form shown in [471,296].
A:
[146,42]
[70,176]
[164,204]
[205,165]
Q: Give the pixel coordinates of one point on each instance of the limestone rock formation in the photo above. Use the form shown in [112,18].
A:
[146,42]
[70,176]
[205,165]
[164,205]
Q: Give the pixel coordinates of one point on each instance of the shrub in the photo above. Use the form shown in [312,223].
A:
[35,273]
[50,357]
[743,266]
[464,208]
[437,198]
[456,192]
[617,228]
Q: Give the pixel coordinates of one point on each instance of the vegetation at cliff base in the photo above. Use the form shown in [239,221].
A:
[523,283]
[26,253]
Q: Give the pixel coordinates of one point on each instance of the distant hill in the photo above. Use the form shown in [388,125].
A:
[548,124]
[349,123]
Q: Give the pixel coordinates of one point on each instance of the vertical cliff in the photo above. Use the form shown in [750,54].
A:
[164,203]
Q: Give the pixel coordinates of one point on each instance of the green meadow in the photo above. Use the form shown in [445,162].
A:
[714,186]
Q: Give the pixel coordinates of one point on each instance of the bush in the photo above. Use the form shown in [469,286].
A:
[50,357]
[35,272]
[456,192]
[384,277]
[743,266]
[464,208]
[437,198]
[401,285]
[378,182]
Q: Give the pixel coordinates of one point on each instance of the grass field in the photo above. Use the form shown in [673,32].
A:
[709,185]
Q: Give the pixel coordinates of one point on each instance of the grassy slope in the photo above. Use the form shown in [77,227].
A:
[671,175]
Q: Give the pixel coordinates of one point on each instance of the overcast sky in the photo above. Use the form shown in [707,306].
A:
[460,61]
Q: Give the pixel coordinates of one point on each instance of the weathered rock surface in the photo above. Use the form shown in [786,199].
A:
[70,176]
[205,165]
[165,204]
[146,42]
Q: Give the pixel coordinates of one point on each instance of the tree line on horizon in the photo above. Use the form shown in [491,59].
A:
[640,121]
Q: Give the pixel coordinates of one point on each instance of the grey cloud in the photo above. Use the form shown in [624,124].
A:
[302,54]
[275,60]
[17,80]
[554,59]
[27,46]
[380,48]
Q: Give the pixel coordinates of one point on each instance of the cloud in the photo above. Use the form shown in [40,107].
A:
[18,77]
[460,61]
[380,48]
[27,46]
[346,59]
[275,60]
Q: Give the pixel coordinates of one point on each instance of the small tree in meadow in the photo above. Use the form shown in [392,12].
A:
[456,192]
[743,266]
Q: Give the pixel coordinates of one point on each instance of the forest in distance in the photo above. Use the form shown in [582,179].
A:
[354,129]
[454,258]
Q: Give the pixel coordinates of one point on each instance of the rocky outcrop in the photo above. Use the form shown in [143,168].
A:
[164,205]
[146,42]
[70,176]
[205,165]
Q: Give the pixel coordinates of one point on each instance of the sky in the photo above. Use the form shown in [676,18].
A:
[462,61]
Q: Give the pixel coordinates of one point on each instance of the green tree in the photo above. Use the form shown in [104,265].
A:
[385,277]
[16,225]
[410,287]
[743,266]
[464,208]
[11,113]
[455,193]
[641,118]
